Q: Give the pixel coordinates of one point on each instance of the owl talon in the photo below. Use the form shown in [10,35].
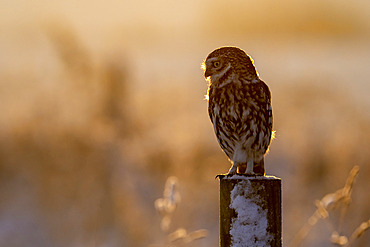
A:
[250,174]
[220,176]
[228,175]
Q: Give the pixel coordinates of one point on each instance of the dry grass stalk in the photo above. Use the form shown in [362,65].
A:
[358,232]
[340,198]
[166,206]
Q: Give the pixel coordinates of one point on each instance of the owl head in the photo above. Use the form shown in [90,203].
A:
[228,58]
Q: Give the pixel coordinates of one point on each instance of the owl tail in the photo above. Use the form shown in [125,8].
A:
[258,167]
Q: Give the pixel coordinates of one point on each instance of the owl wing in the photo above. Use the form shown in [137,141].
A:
[265,104]
[267,101]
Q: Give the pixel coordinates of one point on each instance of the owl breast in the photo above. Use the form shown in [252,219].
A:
[240,120]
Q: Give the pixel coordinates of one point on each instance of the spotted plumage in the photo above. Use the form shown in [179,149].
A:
[239,106]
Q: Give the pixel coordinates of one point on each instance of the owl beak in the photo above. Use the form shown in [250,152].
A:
[207,73]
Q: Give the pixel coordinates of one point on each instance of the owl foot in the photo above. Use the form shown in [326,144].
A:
[249,174]
[221,176]
[228,175]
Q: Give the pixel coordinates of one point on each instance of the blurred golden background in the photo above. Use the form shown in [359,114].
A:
[101,102]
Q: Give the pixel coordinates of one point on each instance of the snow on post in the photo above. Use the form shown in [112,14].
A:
[250,211]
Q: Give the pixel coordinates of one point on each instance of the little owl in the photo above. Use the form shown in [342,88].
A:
[239,106]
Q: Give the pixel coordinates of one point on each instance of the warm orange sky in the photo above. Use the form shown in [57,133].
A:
[98,15]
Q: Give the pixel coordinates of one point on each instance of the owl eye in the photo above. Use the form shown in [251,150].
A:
[216,64]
